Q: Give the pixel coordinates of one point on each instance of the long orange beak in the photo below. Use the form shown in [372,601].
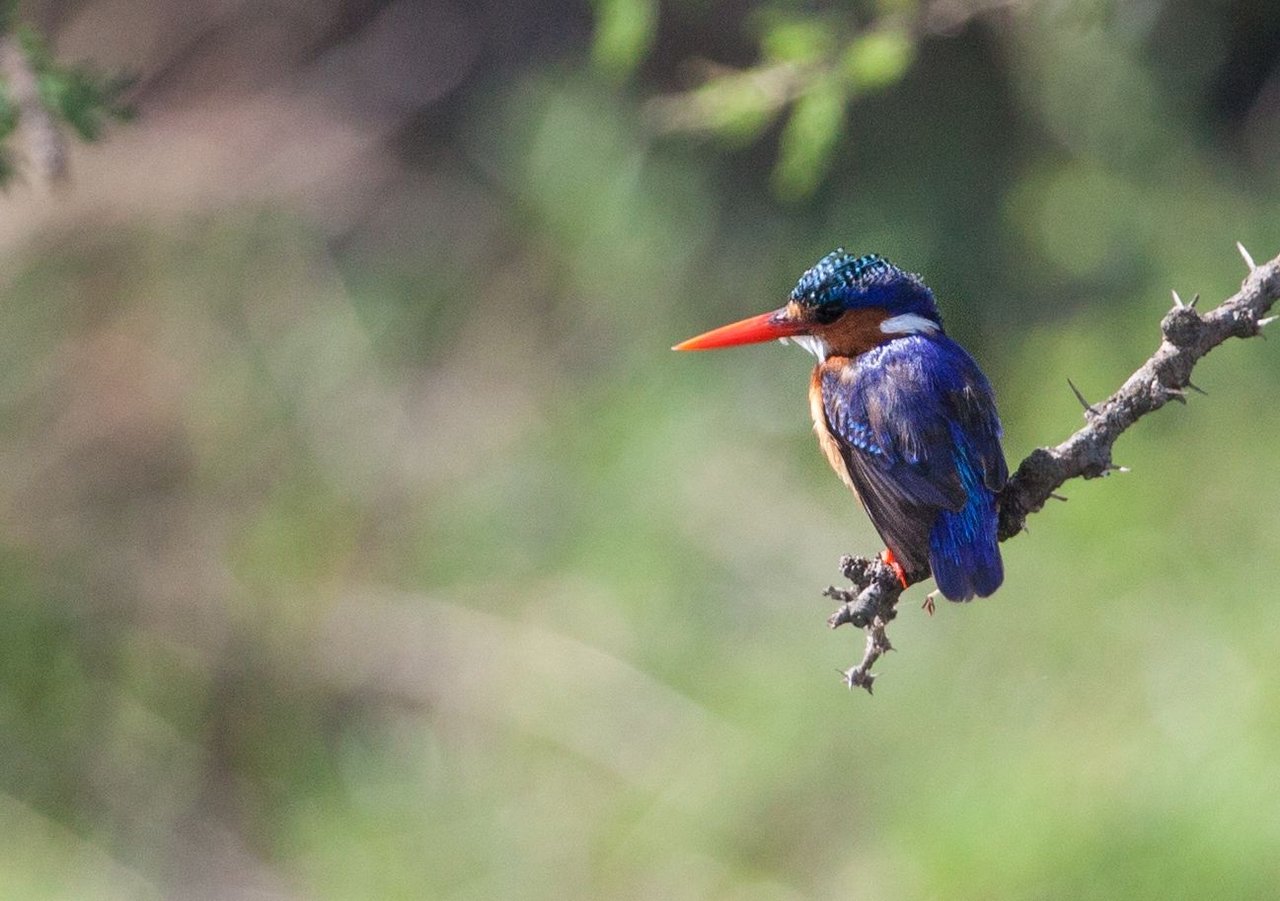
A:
[765,327]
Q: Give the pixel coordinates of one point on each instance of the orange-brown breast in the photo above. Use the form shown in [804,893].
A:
[818,410]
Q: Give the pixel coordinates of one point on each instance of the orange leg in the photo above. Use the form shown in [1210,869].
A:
[888,558]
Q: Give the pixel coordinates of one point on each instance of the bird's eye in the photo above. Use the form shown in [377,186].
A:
[828,313]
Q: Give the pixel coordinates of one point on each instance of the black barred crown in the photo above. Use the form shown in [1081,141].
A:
[840,281]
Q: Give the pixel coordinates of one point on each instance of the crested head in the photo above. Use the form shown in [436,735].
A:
[844,305]
[840,282]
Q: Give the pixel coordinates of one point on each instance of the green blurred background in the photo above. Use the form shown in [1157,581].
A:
[362,538]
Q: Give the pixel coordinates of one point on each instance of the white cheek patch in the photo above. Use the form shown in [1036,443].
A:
[908,324]
[811,343]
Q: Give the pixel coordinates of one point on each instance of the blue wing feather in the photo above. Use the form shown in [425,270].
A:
[916,425]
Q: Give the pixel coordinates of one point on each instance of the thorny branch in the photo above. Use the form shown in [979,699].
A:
[1187,335]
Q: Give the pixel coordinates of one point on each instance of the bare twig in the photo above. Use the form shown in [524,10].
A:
[1186,337]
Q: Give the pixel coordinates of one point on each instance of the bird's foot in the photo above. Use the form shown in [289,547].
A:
[887,556]
[928,605]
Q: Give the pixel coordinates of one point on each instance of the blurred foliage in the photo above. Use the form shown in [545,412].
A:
[8,125]
[624,32]
[362,538]
[76,96]
[812,67]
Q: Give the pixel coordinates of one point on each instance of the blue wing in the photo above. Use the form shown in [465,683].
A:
[916,425]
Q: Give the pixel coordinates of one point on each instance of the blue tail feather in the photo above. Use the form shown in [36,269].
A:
[964,553]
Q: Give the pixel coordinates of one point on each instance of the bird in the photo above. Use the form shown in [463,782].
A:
[902,413]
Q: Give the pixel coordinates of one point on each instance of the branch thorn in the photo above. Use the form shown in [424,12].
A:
[857,677]
[1057,497]
[1177,301]
[1248,260]
[1088,408]
[1196,388]
[1267,321]
[1195,299]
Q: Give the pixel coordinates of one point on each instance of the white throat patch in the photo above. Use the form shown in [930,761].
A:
[908,324]
[811,343]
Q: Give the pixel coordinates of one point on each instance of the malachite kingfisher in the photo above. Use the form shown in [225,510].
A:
[904,415]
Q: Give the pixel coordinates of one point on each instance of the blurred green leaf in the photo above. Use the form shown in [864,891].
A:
[624,32]
[8,123]
[810,136]
[82,98]
[877,58]
[85,101]
[8,112]
[797,41]
[738,106]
